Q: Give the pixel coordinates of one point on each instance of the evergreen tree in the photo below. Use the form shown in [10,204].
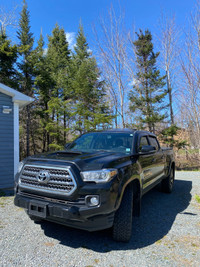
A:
[167,136]
[91,109]
[148,94]
[25,64]
[8,57]
[42,84]
[59,61]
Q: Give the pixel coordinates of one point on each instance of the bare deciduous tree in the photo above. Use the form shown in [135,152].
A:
[190,64]
[7,18]
[168,39]
[112,46]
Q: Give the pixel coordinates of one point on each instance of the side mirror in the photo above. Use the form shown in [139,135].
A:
[146,149]
[67,145]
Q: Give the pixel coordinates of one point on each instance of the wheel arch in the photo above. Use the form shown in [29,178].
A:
[137,194]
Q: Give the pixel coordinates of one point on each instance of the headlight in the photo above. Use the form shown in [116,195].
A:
[99,176]
[20,166]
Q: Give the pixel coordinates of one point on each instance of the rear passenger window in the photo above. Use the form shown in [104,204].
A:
[154,142]
[143,142]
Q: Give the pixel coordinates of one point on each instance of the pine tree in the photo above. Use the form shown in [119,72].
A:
[59,61]
[8,58]
[167,136]
[91,109]
[148,94]
[42,84]
[25,64]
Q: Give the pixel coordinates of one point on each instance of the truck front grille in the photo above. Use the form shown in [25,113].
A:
[57,180]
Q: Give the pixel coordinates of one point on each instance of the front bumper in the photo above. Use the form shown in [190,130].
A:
[72,214]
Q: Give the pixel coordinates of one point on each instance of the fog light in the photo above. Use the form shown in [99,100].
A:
[92,201]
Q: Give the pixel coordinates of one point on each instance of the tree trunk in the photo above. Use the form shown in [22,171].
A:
[58,132]
[148,107]
[47,137]
[48,141]
[44,139]
[116,117]
[28,131]
[169,89]
[33,142]
[64,124]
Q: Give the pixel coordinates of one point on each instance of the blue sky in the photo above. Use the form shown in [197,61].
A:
[44,14]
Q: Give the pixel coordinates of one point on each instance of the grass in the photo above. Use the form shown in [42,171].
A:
[188,169]
[2,202]
[158,242]
[191,151]
[197,198]
[1,225]
[187,161]
[187,165]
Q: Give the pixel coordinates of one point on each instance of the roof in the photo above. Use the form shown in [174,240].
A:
[115,130]
[118,130]
[17,97]
[124,130]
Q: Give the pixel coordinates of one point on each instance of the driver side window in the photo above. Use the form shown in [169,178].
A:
[154,142]
[143,142]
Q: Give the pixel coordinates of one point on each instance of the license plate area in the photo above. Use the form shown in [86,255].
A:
[38,209]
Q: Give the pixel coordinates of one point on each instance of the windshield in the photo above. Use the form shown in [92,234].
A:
[112,142]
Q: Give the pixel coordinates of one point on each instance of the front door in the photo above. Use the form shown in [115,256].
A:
[146,163]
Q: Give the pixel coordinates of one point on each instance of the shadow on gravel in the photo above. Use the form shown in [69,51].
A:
[159,211]
[6,192]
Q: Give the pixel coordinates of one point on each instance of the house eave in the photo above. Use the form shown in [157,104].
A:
[17,97]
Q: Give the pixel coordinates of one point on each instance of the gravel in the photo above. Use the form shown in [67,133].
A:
[166,234]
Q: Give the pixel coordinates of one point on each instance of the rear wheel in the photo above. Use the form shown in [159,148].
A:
[167,183]
[122,227]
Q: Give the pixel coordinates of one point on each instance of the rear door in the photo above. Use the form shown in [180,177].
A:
[158,161]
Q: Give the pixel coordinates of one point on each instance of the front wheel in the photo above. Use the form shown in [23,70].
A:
[122,227]
[167,183]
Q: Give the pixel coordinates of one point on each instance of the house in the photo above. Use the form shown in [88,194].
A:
[10,103]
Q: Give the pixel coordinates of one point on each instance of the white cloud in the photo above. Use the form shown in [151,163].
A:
[45,51]
[70,36]
[134,82]
[89,51]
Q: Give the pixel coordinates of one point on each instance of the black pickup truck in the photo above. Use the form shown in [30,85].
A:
[97,182]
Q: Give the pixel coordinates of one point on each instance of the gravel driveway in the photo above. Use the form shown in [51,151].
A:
[166,234]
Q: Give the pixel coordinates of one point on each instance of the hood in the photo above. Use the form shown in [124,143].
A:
[84,161]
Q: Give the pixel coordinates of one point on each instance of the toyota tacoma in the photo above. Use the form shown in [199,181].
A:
[97,182]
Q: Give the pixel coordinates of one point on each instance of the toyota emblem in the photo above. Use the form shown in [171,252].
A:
[43,177]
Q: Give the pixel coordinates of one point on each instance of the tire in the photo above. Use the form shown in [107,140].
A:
[167,183]
[122,227]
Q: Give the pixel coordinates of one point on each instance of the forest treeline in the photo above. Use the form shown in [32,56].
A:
[133,84]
